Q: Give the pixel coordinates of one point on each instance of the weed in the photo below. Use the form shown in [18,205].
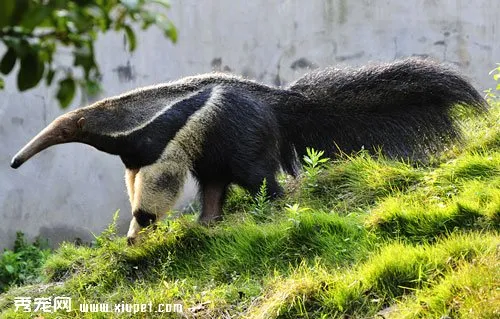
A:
[22,265]
[314,165]
[261,203]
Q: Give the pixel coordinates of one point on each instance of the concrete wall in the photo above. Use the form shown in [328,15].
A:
[71,190]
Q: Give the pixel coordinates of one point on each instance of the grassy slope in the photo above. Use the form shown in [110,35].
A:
[368,237]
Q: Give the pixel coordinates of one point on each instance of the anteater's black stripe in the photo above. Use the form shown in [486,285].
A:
[151,140]
[144,146]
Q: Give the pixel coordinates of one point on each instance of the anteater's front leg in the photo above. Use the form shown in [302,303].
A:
[155,190]
[130,182]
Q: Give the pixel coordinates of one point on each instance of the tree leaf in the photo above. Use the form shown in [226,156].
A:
[132,43]
[20,46]
[2,84]
[171,31]
[35,16]
[8,61]
[66,92]
[6,9]
[21,7]
[50,77]
[31,72]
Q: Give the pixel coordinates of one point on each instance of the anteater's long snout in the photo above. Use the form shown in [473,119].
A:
[62,130]
[44,139]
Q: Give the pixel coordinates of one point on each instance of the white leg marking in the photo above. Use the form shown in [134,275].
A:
[130,181]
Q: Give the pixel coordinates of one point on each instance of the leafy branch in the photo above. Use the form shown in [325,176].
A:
[34,30]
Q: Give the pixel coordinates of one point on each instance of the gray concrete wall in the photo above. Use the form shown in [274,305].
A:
[70,191]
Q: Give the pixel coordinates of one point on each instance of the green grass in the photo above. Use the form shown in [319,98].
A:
[359,237]
[374,285]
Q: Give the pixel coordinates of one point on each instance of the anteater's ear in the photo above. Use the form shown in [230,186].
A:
[81,122]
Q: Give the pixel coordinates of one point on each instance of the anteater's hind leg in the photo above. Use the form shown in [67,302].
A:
[252,175]
[212,200]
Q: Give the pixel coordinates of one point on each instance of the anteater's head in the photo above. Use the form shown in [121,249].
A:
[64,129]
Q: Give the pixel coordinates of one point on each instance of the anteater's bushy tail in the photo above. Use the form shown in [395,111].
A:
[403,108]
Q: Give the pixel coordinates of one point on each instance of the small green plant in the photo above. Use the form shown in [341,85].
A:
[294,212]
[261,202]
[314,165]
[295,209]
[491,95]
[22,265]
[109,233]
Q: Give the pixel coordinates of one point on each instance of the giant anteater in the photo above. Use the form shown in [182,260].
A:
[225,129]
